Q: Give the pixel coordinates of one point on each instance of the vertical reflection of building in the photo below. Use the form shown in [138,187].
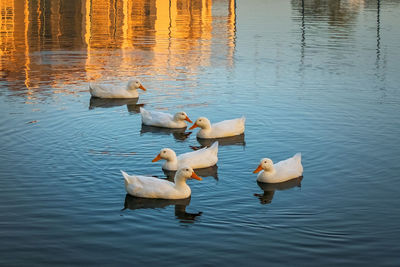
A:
[175,33]
[104,21]
[171,30]
[121,37]
[232,30]
[14,49]
[335,19]
[29,26]
[224,25]
[182,35]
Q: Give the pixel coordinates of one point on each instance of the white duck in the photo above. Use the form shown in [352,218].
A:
[110,91]
[281,171]
[166,120]
[220,129]
[202,158]
[151,187]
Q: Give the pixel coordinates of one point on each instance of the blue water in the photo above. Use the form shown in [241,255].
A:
[316,77]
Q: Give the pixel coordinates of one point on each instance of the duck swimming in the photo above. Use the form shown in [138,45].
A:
[281,171]
[111,91]
[166,120]
[220,129]
[202,158]
[151,187]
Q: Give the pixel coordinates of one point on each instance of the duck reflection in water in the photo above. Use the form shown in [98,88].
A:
[134,203]
[203,172]
[179,134]
[269,189]
[131,103]
[237,140]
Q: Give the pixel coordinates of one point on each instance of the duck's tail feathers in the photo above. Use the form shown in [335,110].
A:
[145,115]
[91,87]
[214,147]
[126,178]
[243,121]
[297,156]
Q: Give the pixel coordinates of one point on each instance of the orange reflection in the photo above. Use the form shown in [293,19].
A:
[111,38]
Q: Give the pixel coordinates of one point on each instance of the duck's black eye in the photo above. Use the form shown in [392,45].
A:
[164,152]
[187,170]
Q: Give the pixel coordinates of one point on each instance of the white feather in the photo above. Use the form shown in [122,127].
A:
[162,119]
[151,187]
[281,171]
[202,158]
[114,91]
[221,129]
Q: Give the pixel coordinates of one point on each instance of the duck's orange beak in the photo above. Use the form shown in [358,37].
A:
[156,158]
[194,176]
[187,119]
[141,87]
[193,126]
[259,168]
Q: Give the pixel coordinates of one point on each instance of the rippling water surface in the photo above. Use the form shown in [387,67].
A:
[317,77]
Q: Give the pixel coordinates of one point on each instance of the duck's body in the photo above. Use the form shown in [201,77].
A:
[151,187]
[162,119]
[281,171]
[202,158]
[221,129]
[111,91]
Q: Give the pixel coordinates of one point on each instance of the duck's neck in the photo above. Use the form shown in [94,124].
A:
[180,183]
[270,171]
[172,159]
[171,163]
[206,128]
[177,119]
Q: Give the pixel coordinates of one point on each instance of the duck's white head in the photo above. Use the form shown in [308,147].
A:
[185,173]
[135,84]
[181,116]
[165,153]
[265,164]
[201,122]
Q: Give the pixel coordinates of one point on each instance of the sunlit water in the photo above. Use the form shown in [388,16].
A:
[321,78]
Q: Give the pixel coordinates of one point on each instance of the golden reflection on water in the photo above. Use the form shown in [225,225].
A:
[110,38]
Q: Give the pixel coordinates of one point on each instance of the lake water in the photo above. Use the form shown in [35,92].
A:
[316,77]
